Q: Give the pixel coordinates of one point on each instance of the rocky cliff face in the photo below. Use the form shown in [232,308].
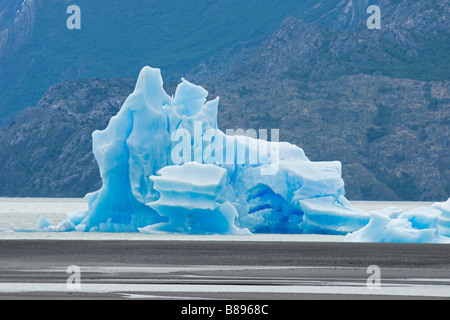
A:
[47,150]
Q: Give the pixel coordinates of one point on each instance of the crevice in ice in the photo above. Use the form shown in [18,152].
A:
[268,212]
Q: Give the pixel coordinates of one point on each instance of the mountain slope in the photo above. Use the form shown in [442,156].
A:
[377,100]
[346,95]
[47,150]
[118,37]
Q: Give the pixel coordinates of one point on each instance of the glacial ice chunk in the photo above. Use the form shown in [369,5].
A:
[420,225]
[422,218]
[382,228]
[444,219]
[192,200]
[44,223]
[332,216]
[166,167]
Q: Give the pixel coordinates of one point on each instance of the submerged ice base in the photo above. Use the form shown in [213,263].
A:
[420,225]
[167,168]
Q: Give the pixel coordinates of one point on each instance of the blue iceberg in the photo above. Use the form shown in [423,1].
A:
[382,228]
[420,225]
[167,168]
